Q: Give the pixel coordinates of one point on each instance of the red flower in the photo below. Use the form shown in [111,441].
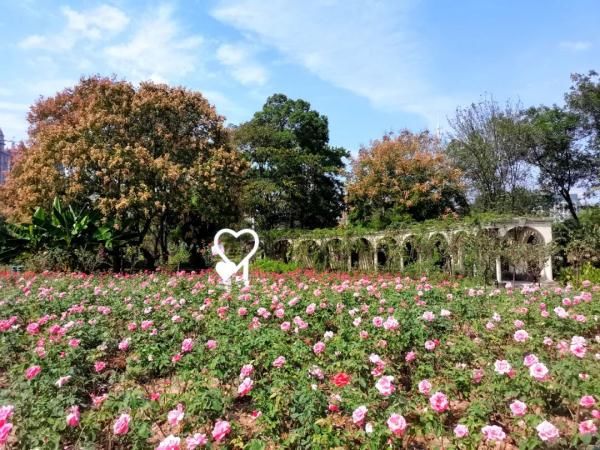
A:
[341,379]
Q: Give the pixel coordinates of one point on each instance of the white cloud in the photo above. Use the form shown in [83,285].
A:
[369,48]
[225,106]
[239,58]
[158,50]
[102,22]
[13,120]
[575,46]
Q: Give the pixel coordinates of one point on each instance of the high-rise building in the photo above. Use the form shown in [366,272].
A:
[4,158]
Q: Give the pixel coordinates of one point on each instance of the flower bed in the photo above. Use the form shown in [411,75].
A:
[303,360]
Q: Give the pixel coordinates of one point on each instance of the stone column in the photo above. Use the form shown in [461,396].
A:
[498,270]
[375,262]
[547,270]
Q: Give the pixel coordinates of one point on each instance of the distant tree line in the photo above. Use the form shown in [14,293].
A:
[148,173]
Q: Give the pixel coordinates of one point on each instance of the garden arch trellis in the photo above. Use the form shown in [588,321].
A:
[394,250]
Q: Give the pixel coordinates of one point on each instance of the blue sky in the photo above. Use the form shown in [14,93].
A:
[370,66]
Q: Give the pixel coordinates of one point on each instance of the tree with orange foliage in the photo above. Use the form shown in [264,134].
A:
[151,158]
[402,178]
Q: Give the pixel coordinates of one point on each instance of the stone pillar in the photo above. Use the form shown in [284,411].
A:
[547,270]
[498,270]
[375,262]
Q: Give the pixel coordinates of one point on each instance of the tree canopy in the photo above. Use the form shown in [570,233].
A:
[563,161]
[488,145]
[151,158]
[403,177]
[295,175]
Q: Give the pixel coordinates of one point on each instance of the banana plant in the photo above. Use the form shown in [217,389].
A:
[11,244]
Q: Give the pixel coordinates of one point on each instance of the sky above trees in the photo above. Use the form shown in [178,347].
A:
[371,67]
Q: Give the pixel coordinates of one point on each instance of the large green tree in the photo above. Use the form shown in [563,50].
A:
[584,99]
[150,158]
[554,147]
[487,144]
[295,175]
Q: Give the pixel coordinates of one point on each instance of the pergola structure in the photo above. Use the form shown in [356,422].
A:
[371,252]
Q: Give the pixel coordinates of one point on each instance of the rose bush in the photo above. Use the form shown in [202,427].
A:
[301,360]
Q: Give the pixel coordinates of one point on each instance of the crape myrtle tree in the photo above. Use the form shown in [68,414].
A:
[487,143]
[149,158]
[403,177]
[295,175]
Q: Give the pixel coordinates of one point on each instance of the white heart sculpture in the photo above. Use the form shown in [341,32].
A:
[227,268]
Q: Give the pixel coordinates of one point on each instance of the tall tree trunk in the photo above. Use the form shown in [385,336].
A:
[567,197]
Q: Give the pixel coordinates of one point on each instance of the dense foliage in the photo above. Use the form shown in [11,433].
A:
[294,178]
[487,144]
[295,361]
[404,177]
[154,168]
[151,159]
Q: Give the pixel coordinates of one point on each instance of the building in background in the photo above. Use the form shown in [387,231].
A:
[4,158]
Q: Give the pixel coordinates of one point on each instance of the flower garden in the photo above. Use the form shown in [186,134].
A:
[301,360]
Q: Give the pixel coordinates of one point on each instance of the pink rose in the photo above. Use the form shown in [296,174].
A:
[397,424]
[587,401]
[587,427]
[169,443]
[32,372]
[246,371]
[4,432]
[461,431]
[385,386]
[477,375]
[521,336]
[359,414]
[518,408]
[121,425]
[391,324]
[538,371]
[424,387]
[439,402]
[33,328]
[428,316]
[410,356]
[187,345]
[493,433]
[211,344]
[319,348]
[502,367]
[547,432]
[530,360]
[73,416]
[222,428]
[196,440]
[176,415]
[245,387]
[5,413]
[99,366]
[124,345]
[279,362]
